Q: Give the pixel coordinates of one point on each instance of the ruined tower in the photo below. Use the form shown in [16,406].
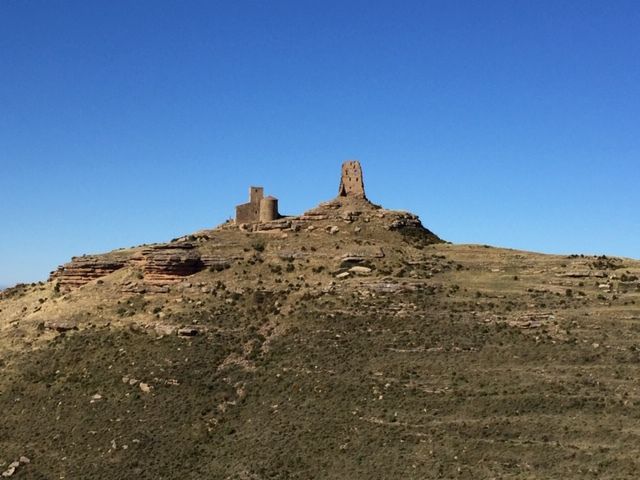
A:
[351,182]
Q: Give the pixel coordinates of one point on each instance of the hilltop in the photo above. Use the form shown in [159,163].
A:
[346,342]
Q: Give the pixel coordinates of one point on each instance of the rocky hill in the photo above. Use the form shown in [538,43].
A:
[346,342]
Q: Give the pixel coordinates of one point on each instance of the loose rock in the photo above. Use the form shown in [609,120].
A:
[60,326]
[9,472]
[360,270]
[188,331]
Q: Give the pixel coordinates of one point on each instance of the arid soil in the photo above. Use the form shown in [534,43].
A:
[347,343]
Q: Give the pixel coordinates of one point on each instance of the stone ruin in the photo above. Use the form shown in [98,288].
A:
[259,208]
[351,182]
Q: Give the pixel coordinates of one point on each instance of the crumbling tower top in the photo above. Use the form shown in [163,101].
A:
[351,182]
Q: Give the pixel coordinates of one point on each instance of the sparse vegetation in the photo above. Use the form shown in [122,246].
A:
[258,244]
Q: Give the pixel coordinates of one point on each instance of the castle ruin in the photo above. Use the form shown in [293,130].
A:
[351,182]
[259,208]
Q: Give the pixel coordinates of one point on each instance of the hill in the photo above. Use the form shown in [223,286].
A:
[347,342]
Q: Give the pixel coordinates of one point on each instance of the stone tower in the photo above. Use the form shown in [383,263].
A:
[269,209]
[351,182]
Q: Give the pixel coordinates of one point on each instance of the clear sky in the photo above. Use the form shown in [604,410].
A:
[511,123]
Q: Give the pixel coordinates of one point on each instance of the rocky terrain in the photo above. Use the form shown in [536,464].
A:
[347,342]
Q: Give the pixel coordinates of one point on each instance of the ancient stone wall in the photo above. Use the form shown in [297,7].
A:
[250,212]
[351,182]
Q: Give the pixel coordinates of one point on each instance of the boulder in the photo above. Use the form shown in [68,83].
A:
[360,270]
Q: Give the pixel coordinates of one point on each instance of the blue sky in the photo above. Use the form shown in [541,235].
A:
[509,123]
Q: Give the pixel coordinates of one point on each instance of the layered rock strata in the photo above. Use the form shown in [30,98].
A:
[82,270]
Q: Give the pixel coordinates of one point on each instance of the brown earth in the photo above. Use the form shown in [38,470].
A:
[348,342]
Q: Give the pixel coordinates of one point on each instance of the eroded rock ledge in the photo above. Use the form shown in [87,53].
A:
[82,270]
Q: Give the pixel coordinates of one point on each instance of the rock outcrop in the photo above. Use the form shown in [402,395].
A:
[170,262]
[82,270]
